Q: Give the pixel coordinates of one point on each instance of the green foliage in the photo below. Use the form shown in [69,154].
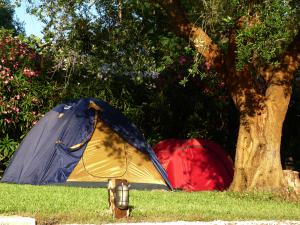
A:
[97,53]
[196,68]
[162,108]
[7,148]
[7,17]
[89,40]
[267,26]
[268,33]
[199,109]
[115,52]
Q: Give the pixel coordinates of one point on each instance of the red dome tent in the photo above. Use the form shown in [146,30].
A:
[195,164]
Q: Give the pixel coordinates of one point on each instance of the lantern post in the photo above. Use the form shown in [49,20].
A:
[118,197]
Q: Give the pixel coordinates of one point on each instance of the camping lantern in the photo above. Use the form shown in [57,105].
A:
[122,195]
[118,197]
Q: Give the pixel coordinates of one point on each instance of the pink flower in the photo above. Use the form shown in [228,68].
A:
[6,120]
[221,84]
[207,90]
[30,73]
[16,109]
[182,60]
[207,65]
[16,65]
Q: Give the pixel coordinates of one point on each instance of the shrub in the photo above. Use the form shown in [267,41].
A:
[25,94]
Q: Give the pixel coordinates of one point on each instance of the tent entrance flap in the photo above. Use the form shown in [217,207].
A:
[107,155]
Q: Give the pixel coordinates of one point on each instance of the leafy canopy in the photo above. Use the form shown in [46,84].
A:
[8,21]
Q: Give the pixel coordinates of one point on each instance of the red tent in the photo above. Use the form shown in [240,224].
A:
[195,164]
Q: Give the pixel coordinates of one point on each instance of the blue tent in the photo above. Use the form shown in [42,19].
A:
[58,143]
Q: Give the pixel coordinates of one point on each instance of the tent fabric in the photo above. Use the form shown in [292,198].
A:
[118,160]
[195,164]
[43,156]
[55,145]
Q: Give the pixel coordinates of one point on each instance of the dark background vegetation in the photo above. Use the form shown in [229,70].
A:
[128,58]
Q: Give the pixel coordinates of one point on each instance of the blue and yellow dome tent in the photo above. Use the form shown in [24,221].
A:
[85,142]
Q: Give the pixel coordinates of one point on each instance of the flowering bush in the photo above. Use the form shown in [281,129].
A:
[19,64]
[25,94]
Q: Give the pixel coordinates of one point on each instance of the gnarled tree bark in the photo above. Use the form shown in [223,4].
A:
[257,162]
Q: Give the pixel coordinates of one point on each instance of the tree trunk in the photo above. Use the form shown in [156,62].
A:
[262,105]
[257,162]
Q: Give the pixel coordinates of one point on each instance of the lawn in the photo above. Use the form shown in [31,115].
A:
[58,204]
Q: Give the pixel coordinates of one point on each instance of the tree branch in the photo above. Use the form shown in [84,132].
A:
[289,63]
[189,31]
[291,59]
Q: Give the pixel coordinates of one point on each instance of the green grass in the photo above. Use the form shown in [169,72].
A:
[57,204]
